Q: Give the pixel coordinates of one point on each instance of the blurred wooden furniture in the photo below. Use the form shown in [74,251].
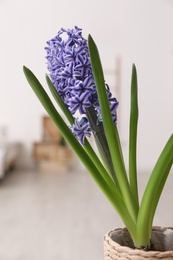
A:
[50,131]
[52,154]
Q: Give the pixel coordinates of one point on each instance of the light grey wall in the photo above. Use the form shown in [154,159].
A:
[139,31]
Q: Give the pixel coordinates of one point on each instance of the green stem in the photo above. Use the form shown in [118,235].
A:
[133,135]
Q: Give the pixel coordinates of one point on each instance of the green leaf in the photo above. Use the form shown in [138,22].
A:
[153,192]
[109,128]
[59,101]
[133,135]
[49,107]
[158,192]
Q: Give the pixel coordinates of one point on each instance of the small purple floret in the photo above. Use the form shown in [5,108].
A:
[81,129]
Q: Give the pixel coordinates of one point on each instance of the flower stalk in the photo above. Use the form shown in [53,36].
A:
[101,142]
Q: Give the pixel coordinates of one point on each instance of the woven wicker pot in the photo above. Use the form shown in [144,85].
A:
[118,245]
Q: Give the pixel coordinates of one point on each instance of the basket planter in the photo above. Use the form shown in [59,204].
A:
[118,245]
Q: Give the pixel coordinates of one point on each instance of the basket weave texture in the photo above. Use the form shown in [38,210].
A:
[114,251]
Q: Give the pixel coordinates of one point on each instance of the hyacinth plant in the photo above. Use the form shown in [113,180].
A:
[77,83]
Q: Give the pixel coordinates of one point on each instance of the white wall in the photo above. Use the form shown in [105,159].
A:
[140,31]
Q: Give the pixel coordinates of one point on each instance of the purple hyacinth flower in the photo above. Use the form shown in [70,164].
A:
[81,129]
[79,103]
[80,87]
[84,66]
[69,66]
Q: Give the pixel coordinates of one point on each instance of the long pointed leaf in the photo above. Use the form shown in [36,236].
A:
[153,192]
[158,193]
[59,100]
[110,129]
[133,135]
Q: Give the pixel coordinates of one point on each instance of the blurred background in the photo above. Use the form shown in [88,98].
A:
[49,206]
